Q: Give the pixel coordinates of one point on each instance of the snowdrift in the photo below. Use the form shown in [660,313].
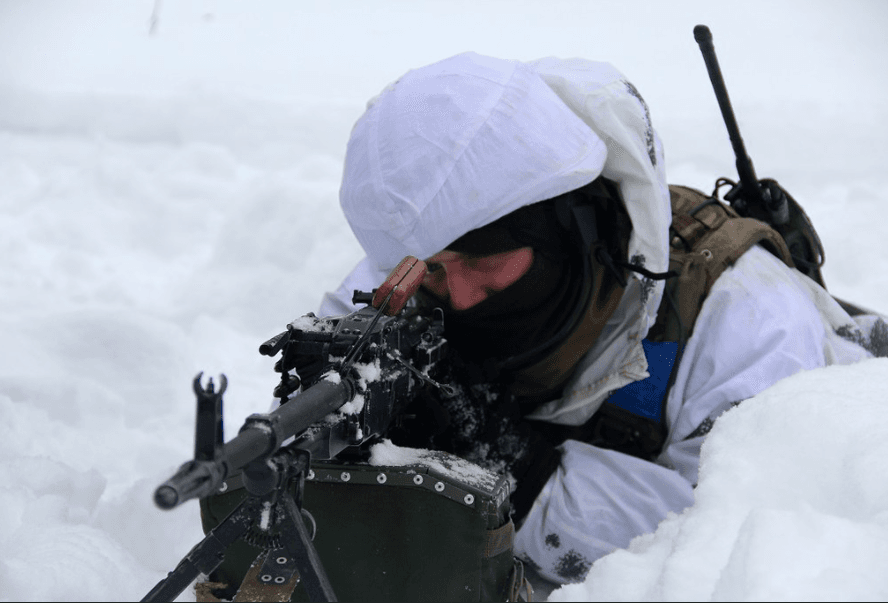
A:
[792,503]
[158,219]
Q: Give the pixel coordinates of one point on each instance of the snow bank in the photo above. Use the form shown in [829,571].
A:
[792,503]
[169,201]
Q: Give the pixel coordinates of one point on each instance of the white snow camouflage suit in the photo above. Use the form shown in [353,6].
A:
[453,146]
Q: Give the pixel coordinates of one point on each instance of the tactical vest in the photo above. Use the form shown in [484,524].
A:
[706,237]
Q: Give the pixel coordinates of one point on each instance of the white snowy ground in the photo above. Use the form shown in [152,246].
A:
[168,201]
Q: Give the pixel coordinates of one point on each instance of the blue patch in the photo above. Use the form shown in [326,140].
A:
[645,397]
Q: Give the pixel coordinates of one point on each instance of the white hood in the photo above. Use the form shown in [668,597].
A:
[455,145]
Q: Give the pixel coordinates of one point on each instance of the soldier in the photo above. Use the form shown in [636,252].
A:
[617,316]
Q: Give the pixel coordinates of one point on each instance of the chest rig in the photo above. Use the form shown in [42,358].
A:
[706,237]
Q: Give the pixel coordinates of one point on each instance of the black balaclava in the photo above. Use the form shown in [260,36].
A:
[535,309]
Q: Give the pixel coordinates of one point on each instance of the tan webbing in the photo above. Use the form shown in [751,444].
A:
[254,589]
[499,540]
[706,237]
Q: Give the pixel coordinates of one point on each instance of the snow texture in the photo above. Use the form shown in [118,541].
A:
[792,503]
[312,325]
[389,455]
[169,174]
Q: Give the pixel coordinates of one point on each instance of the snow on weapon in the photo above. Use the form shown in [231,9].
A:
[342,380]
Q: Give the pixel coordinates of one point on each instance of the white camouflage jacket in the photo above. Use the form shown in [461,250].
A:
[458,144]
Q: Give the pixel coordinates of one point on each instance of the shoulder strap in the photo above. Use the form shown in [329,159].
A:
[706,237]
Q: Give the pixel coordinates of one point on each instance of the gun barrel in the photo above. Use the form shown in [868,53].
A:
[194,479]
[274,345]
[260,436]
[744,164]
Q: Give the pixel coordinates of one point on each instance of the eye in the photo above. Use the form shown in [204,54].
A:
[433,267]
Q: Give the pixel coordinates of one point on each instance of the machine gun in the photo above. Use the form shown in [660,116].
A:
[763,200]
[342,380]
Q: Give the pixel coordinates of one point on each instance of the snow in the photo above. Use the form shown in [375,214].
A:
[354,407]
[792,503]
[312,325]
[168,202]
[368,372]
[265,516]
[332,377]
[387,454]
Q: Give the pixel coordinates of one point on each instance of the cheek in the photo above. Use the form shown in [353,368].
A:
[504,277]
[506,274]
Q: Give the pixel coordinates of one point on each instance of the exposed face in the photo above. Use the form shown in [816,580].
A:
[466,280]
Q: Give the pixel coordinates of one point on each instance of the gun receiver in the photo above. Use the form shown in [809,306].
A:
[343,381]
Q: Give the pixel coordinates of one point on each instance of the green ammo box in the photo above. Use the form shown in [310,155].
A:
[437,529]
